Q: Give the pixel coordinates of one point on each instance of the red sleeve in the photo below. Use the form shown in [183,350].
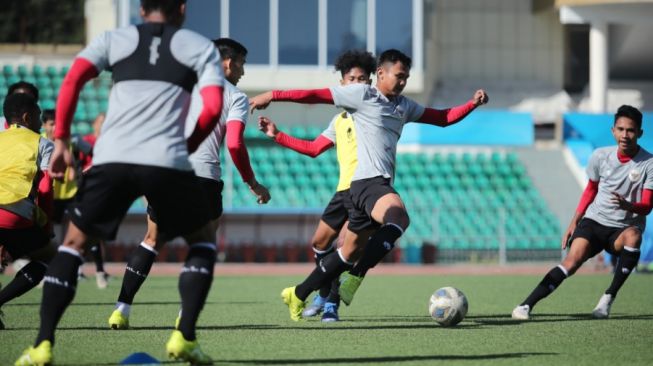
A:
[312,96]
[644,207]
[446,117]
[212,99]
[45,197]
[590,192]
[80,72]
[310,148]
[238,150]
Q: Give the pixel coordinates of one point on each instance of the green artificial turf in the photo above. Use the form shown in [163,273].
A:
[245,323]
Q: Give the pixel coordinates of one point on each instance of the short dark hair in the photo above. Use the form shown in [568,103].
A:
[229,48]
[355,58]
[630,112]
[47,114]
[395,56]
[169,8]
[16,105]
[33,90]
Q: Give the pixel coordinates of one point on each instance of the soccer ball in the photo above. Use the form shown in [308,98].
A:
[448,306]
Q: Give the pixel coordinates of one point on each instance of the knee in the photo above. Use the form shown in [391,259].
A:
[401,218]
[571,264]
[320,244]
[632,237]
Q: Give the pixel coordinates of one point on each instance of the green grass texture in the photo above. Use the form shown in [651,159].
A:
[245,322]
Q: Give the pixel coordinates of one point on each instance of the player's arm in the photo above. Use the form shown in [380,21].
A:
[310,148]
[45,198]
[310,96]
[81,71]
[209,117]
[238,151]
[588,196]
[450,116]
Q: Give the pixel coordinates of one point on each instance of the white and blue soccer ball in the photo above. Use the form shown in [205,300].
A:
[448,306]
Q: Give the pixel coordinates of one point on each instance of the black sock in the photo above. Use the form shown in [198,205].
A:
[627,261]
[26,279]
[194,284]
[136,272]
[58,291]
[549,283]
[330,267]
[326,289]
[380,244]
[334,294]
[96,251]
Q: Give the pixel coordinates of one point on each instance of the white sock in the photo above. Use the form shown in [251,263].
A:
[123,308]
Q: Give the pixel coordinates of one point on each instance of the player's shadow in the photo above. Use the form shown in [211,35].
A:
[505,319]
[394,359]
[553,317]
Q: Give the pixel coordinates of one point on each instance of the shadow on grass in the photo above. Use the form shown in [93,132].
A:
[170,302]
[359,360]
[505,319]
[393,359]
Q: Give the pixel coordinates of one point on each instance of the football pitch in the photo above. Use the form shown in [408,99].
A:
[245,323]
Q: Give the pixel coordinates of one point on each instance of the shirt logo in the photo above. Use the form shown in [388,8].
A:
[154,50]
[634,175]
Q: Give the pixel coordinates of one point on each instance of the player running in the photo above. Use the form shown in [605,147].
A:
[206,163]
[155,66]
[610,216]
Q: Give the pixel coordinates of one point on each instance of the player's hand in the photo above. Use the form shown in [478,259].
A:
[61,159]
[566,236]
[620,201]
[260,101]
[480,97]
[260,191]
[268,127]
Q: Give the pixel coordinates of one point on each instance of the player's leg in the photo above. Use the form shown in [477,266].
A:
[136,272]
[102,200]
[331,224]
[183,208]
[329,269]
[389,210]
[98,258]
[626,248]
[580,251]
[322,246]
[330,313]
[33,243]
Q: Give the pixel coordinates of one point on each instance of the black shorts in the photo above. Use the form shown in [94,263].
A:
[61,208]
[212,194]
[107,191]
[364,193]
[336,213]
[600,237]
[20,242]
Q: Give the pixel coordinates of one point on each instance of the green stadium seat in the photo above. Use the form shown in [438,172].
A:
[23,71]
[51,71]
[37,70]
[8,70]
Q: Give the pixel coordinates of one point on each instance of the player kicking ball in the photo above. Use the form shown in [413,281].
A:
[356,67]
[378,215]
[610,216]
